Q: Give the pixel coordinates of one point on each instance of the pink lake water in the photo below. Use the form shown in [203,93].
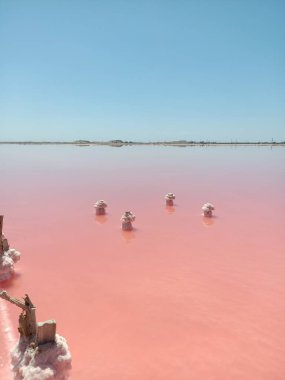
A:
[179,298]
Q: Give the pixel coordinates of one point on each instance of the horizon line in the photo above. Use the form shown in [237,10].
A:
[130,142]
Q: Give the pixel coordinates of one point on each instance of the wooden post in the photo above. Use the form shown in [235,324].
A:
[127,226]
[46,332]
[1,231]
[1,224]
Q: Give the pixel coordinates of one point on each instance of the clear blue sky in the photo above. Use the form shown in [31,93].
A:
[142,69]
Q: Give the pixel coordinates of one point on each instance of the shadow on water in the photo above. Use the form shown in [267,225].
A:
[209,221]
[101,219]
[7,284]
[170,209]
[128,236]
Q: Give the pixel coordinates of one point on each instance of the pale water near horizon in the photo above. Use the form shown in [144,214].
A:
[179,298]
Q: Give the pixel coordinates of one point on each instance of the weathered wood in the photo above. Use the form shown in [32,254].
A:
[15,301]
[5,244]
[100,211]
[1,224]
[1,232]
[27,319]
[46,332]
[127,226]
[37,333]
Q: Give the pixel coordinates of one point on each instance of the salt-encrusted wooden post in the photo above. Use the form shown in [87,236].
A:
[169,197]
[46,331]
[40,352]
[208,209]
[1,224]
[37,333]
[127,218]
[1,231]
[4,245]
[100,207]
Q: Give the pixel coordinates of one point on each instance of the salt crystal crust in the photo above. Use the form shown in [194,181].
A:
[50,361]
[7,261]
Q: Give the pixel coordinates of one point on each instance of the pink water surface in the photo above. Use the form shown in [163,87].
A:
[179,298]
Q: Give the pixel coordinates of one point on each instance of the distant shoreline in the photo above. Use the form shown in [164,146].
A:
[119,143]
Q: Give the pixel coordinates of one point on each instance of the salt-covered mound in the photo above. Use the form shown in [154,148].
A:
[208,209]
[169,197]
[7,261]
[127,218]
[100,207]
[50,361]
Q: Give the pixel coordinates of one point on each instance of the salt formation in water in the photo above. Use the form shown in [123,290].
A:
[208,209]
[40,354]
[45,362]
[8,257]
[100,207]
[127,218]
[169,199]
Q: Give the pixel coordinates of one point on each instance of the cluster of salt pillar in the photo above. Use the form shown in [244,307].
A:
[207,208]
[128,217]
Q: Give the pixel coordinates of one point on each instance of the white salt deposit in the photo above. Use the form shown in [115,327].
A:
[51,361]
[128,216]
[169,196]
[7,261]
[100,204]
[208,209]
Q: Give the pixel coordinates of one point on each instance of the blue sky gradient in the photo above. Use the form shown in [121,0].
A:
[142,70]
